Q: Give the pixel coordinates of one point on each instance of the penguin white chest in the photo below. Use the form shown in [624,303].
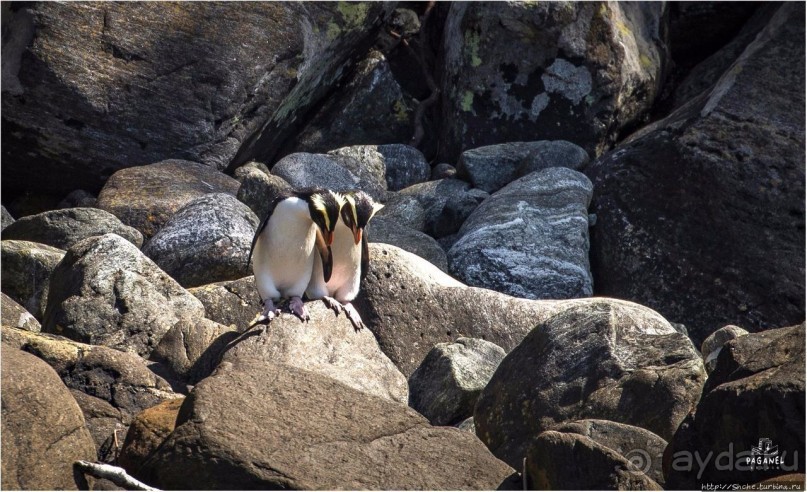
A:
[285,250]
[346,275]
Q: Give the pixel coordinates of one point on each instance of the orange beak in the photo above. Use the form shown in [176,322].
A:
[328,237]
[357,235]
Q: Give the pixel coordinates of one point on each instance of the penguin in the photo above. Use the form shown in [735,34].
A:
[351,258]
[297,229]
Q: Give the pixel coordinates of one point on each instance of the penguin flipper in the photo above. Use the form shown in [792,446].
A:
[365,256]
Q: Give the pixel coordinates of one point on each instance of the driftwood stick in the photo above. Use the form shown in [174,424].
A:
[115,474]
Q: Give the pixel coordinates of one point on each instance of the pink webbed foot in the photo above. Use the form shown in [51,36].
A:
[353,316]
[298,309]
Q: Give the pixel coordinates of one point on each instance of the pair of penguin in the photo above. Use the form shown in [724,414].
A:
[312,242]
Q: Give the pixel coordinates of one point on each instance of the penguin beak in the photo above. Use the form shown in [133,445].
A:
[328,237]
[357,235]
[326,255]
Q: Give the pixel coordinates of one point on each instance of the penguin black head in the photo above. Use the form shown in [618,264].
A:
[358,210]
[323,207]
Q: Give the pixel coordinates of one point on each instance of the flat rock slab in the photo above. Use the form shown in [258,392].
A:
[258,425]
[145,197]
[13,314]
[63,228]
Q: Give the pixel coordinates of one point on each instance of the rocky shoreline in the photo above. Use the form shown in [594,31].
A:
[588,273]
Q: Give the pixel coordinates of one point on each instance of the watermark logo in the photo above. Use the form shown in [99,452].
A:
[765,455]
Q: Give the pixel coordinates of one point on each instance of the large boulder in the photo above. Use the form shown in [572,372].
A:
[106,292]
[571,461]
[597,360]
[529,239]
[90,89]
[370,108]
[493,166]
[26,270]
[145,197]
[446,385]
[410,306]
[711,347]
[752,408]
[593,68]
[207,240]
[446,204]
[43,429]
[63,228]
[254,424]
[304,170]
[701,215]
[640,447]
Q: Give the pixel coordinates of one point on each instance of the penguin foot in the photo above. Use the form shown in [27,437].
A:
[298,309]
[333,304]
[353,316]
[266,315]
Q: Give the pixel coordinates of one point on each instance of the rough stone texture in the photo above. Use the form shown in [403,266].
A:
[191,351]
[703,76]
[148,430]
[755,392]
[493,166]
[43,429]
[371,108]
[118,378]
[595,360]
[92,88]
[63,228]
[529,239]
[389,231]
[258,190]
[78,198]
[410,306]
[250,166]
[106,292]
[640,447]
[13,314]
[5,218]
[404,166]
[446,385]
[367,164]
[558,460]
[145,197]
[407,210]
[222,439]
[446,204]
[592,69]
[710,348]
[26,270]
[443,170]
[234,303]
[207,240]
[467,425]
[701,215]
[327,345]
[303,170]
[105,423]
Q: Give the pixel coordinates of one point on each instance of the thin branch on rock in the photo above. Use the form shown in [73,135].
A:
[115,474]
